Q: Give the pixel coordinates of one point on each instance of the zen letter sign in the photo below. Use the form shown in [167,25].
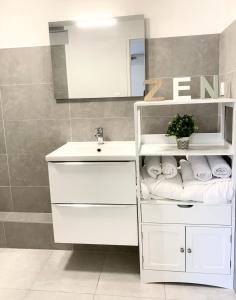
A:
[181,84]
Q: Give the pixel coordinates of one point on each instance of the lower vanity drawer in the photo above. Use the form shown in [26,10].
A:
[186,214]
[95,224]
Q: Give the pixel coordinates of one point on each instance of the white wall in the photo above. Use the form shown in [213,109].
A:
[24,23]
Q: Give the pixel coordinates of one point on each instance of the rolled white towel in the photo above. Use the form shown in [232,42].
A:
[219,166]
[186,171]
[169,166]
[146,183]
[153,165]
[200,167]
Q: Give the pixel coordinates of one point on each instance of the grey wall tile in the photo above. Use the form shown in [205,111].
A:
[28,169]
[2,138]
[2,236]
[25,65]
[36,136]
[103,108]
[32,102]
[29,217]
[31,235]
[116,129]
[159,125]
[4,177]
[5,199]
[183,56]
[203,110]
[228,49]
[31,199]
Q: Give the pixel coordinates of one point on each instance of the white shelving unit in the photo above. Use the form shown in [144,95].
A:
[182,241]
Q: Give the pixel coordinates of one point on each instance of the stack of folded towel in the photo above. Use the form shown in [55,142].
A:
[160,178]
[199,178]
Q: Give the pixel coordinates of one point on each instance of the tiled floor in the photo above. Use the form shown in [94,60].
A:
[87,275]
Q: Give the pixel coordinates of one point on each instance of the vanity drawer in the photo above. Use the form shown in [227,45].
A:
[95,224]
[186,214]
[93,182]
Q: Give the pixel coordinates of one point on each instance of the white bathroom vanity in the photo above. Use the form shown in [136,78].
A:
[93,193]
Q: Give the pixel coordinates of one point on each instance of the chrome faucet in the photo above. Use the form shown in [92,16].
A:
[99,135]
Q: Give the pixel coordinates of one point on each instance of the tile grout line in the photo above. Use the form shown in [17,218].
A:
[7,158]
[103,265]
[71,133]
[41,269]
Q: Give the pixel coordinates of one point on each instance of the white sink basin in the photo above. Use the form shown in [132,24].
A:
[91,151]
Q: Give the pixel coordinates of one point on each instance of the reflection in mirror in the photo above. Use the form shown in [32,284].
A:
[98,60]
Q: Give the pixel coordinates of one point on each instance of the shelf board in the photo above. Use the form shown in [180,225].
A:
[184,101]
[171,149]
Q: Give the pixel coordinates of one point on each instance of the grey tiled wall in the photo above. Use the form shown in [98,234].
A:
[32,123]
[227,65]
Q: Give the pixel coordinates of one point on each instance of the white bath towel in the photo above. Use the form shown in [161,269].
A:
[213,191]
[186,170]
[200,167]
[171,188]
[153,165]
[161,188]
[219,166]
[169,166]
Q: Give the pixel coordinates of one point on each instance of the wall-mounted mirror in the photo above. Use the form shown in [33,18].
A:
[101,58]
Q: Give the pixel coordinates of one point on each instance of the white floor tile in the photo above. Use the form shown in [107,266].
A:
[11,294]
[197,292]
[121,277]
[19,267]
[70,271]
[41,295]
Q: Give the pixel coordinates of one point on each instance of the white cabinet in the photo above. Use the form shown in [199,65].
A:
[95,224]
[163,247]
[94,202]
[186,248]
[93,182]
[208,250]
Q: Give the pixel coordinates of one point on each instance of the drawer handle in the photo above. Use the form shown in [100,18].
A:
[189,250]
[181,250]
[185,205]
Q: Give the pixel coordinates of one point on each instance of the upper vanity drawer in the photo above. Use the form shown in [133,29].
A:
[187,214]
[92,182]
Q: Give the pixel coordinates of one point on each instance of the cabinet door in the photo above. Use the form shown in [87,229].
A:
[208,250]
[164,247]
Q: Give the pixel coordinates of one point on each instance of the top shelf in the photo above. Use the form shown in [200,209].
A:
[184,101]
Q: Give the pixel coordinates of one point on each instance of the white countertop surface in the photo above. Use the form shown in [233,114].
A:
[91,151]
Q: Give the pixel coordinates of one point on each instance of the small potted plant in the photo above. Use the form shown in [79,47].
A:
[182,127]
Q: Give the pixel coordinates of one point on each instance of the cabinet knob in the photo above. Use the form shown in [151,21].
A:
[182,250]
[189,250]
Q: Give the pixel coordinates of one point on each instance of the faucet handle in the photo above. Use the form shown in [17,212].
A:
[99,131]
